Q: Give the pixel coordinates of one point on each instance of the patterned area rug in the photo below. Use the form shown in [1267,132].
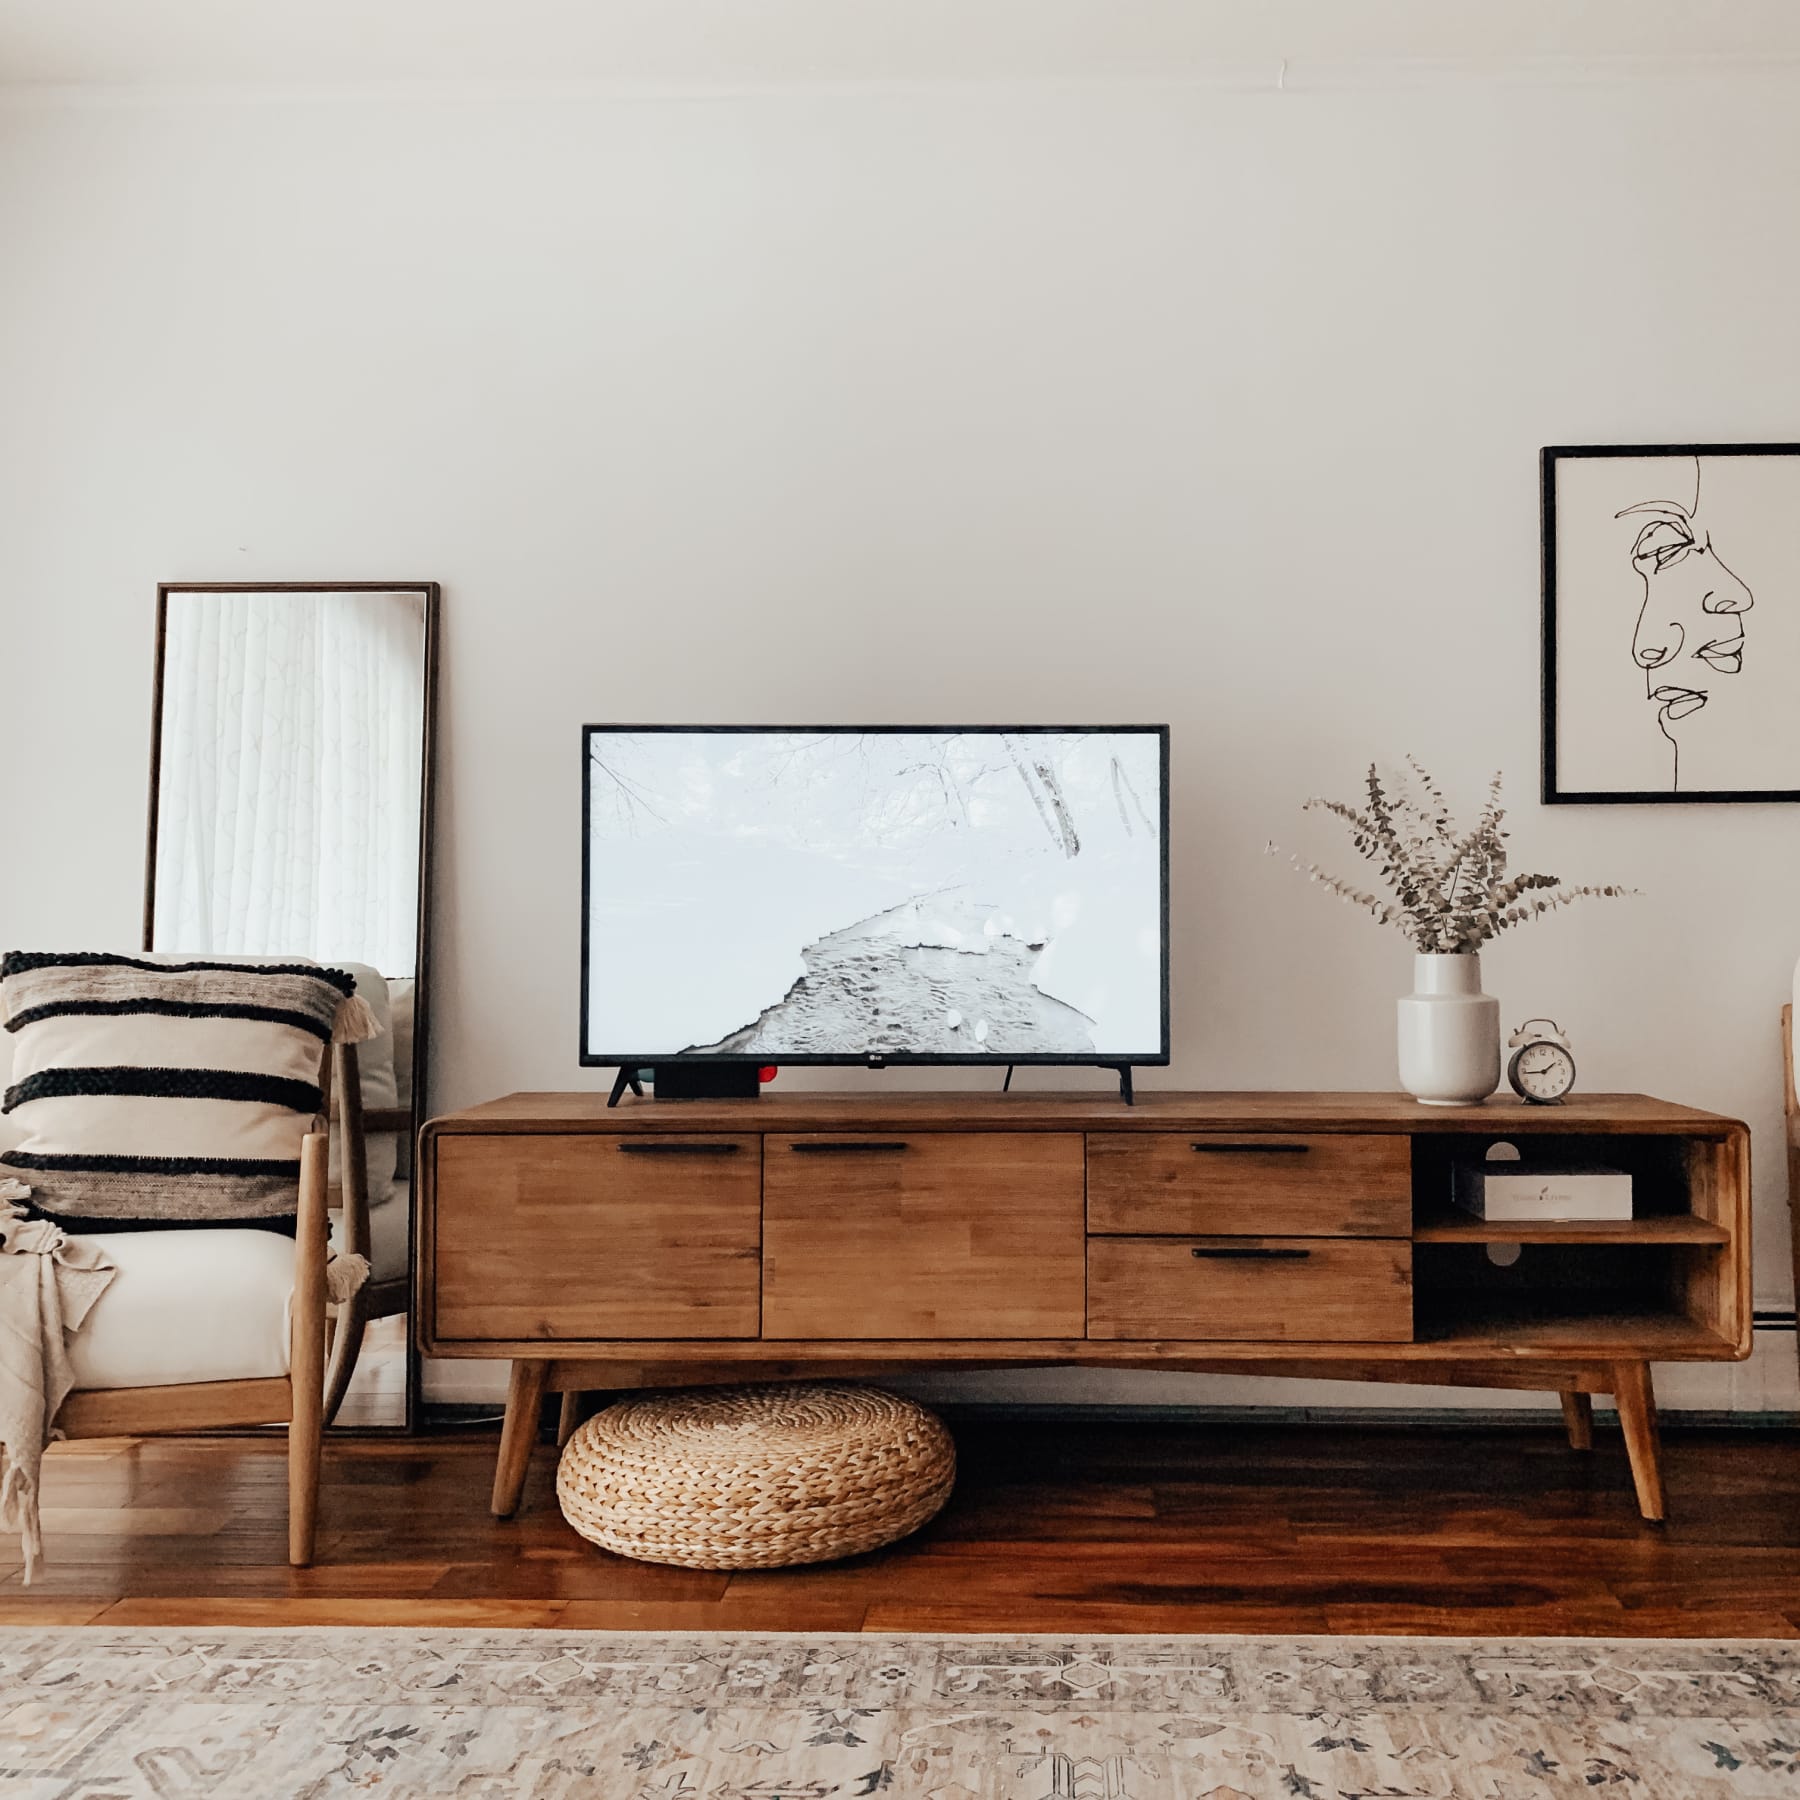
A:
[94,1712]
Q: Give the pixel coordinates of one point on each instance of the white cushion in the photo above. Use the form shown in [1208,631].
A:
[389,1226]
[200,1305]
[376,1057]
[401,991]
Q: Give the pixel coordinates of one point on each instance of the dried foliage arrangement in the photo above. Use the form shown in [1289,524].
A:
[1451,891]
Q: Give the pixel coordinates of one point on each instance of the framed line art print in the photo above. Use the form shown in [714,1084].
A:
[1671,623]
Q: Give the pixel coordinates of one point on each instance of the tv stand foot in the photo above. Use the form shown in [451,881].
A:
[1122,1070]
[626,1078]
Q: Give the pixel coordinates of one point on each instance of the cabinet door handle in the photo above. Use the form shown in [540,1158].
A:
[851,1147]
[1249,1253]
[1253,1149]
[629,1148]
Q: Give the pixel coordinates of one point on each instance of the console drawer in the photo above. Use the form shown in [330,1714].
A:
[923,1235]
[559,1239]
[1159,1183]
[1261,1289]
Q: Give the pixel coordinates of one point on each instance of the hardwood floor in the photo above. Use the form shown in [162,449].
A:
[1056,1525]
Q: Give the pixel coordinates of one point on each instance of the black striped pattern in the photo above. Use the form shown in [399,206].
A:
[169,1009]
[167,1084]
[282,1224]
[237,1167]
[164,1093]
[38,986]
[21,962]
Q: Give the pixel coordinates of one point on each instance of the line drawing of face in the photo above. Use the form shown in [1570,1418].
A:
[1689,639]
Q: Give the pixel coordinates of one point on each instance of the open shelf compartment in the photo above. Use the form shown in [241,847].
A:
[1663,1277]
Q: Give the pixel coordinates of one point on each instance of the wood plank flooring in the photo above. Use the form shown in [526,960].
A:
[1056,1525]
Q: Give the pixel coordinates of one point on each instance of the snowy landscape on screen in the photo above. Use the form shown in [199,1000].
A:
[868,893]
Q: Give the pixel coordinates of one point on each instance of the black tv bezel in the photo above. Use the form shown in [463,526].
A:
[872,1060]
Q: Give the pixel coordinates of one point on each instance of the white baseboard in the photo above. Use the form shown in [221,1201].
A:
[463,1381]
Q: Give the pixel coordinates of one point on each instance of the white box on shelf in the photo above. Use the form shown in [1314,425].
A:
[1509,1194]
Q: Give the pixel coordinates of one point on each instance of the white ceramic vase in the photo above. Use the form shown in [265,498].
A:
[1449,1033]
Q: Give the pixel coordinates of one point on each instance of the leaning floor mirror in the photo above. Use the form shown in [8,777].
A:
[290,817]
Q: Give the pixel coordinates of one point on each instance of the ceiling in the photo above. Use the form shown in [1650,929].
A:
[224,43]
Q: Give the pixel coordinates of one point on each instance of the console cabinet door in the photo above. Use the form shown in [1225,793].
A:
[582,1238]
[956,1235]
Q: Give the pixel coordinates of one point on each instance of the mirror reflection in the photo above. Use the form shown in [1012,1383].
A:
[289,818]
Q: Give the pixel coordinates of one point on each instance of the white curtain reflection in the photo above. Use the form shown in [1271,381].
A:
[288,809]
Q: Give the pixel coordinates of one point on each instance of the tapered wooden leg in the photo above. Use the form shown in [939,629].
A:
[574,1408]
[306,1354]
[1578,1416]
[1636,1399]
[524,1402]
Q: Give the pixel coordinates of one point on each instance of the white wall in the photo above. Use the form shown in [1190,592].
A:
[967,402]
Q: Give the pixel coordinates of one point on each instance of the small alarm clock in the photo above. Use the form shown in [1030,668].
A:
[1542,1067]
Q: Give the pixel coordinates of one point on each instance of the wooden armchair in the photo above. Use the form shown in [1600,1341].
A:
[389,1288]
[1792,1108]
[133,1313]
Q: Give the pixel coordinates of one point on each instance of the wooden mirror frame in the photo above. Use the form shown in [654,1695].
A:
[377,1299]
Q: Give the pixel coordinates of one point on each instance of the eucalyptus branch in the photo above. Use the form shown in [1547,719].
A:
[1451,891]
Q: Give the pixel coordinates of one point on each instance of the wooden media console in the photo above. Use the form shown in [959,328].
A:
[1297,1234]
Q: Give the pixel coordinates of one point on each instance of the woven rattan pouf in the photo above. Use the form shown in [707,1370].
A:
[755,1477]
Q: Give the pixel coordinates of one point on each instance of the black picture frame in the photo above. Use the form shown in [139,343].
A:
[1553,792]
[886,1059]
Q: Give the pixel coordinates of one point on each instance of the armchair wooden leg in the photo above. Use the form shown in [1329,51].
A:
[1636,1398]
[1793,1163]
[1791,1110]
[524,1402]
[1578,1417]
[306,1355]
[346,1345]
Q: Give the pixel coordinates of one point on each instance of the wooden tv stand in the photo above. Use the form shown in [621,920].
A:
[1282,1234]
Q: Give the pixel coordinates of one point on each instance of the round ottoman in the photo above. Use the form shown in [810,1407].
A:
[755,1477]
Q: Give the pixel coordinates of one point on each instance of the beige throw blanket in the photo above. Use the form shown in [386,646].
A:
[48,1286]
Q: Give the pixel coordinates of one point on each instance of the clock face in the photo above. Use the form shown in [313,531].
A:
[1544,1071]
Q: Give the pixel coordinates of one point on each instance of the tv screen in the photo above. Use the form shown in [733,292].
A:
[858,894]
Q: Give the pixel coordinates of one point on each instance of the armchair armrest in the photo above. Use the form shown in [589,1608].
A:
[357,1123]
[347,1085]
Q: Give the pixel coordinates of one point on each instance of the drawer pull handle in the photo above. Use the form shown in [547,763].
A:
[628,1148]
[1249,1253]
[1253,1149]
[854,1147]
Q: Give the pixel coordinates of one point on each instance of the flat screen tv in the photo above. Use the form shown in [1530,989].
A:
[874,895]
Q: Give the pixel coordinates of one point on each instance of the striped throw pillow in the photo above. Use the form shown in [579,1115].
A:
[160,1092]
